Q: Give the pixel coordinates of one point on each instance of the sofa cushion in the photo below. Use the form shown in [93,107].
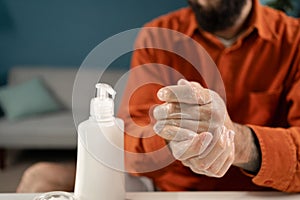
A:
[26,99]
[58,80]
[49,131]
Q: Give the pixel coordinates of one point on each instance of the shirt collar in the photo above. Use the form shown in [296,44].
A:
[193,24]
[257,21]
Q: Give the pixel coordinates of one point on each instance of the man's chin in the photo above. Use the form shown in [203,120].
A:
[217,19]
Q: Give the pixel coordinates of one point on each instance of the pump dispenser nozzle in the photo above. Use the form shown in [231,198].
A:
[102,106]
[104,91]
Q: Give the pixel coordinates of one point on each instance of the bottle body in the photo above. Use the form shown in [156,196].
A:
[100,160]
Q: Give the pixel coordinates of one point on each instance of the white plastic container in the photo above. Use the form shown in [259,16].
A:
[100,155]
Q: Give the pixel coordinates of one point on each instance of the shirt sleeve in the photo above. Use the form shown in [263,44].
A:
[280,147]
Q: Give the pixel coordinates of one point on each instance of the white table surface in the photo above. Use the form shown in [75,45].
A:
[182,196]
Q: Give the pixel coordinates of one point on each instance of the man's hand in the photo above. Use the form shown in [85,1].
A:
[195,122]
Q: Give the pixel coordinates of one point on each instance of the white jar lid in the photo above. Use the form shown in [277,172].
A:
[55,195]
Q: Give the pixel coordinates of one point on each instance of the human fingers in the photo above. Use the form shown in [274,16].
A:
[184,92]
[217,162]
[194,169]
[183,150]
[175,133]
[204,163]
[182,111]
[223,138]
[186,143]
[214,150]
[225,167]
[170,127]
[212,113]
[215,165]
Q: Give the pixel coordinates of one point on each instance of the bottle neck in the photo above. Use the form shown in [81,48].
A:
[101,119]
[102,110]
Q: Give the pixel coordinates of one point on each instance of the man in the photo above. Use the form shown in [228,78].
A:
[258,136]
[253,143]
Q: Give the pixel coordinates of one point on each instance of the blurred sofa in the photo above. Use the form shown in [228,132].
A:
[53,130]
[57,130]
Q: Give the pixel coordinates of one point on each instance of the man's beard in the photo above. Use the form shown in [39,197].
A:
[220,17]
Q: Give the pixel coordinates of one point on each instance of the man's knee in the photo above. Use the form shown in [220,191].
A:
[45,176]
[33,177]
[37,171]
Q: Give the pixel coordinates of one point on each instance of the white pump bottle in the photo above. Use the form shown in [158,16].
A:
[100,156]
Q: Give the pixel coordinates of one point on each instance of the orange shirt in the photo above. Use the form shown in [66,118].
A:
[261,76]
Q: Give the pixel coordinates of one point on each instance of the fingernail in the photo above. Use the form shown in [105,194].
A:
[158,127]
[182,82]
[207,139]
[160,112]
[161,94]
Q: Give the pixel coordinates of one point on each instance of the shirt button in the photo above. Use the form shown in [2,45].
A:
[268,182]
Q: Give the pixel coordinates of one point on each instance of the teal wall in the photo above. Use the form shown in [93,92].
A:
[63,32]
[293,12]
